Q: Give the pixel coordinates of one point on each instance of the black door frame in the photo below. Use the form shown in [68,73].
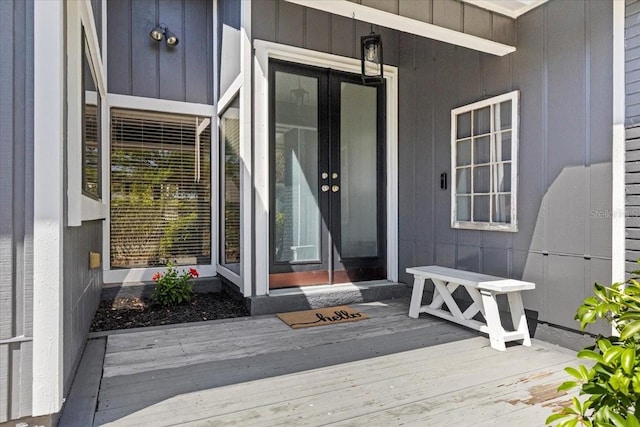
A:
[323,271]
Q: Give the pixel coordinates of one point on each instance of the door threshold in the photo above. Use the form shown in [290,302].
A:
[319,289]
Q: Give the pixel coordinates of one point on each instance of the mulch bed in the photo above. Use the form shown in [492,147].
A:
[125,313]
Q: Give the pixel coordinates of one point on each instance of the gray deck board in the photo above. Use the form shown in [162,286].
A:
[386,370]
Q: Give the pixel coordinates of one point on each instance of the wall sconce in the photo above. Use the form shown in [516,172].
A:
[371,59]
[161,31]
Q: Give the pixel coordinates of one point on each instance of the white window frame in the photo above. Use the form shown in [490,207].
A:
[225,100]
[514,97]
[136,275]
[80,14]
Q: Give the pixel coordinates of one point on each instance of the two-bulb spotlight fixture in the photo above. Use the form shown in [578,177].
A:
[161,31]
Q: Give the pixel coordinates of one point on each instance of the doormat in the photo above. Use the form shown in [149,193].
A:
[321,317]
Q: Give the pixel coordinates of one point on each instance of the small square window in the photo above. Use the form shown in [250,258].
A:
[484,150]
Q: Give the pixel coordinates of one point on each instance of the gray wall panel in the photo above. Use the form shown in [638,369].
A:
[317,30]
[264,28]
[448,14]
[140,66]
[198,79]
[566,127]
[632,67]
[342,35]
[119,40]
[16,208]
[171,61]
[406,185]
[564,290]
[477,21]
[82,290]
[416,9]
[291,24]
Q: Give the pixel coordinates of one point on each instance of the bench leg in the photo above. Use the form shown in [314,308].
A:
[492,315]
[517,315]
[416,297]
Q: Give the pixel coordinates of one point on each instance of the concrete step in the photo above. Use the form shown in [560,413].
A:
[311,297]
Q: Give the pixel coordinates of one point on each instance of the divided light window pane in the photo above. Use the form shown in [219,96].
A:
[160,189]
[483,144]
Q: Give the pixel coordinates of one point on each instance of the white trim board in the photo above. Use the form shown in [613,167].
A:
[618,147]
[49,99]
[267,50]
[353,10]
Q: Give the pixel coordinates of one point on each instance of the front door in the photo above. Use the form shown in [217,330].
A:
[328,193]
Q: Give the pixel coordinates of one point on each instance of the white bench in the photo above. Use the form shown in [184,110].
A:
[483,290]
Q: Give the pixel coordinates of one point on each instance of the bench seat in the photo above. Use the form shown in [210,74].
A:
[482,289]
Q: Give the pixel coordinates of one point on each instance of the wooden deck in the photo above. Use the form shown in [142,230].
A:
[386,370]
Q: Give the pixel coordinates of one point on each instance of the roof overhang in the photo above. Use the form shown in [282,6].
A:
[510,8]
[402,23]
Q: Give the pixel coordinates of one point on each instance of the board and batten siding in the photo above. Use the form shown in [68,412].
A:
[632,62]
[140,66]
[632,199]
[562,67]
[16,208]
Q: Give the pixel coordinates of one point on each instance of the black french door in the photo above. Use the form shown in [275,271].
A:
[327,177]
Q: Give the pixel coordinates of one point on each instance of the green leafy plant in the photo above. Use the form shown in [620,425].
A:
[172,287]
[612,384]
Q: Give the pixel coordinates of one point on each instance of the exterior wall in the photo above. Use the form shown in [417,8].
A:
[562,66]
[632,58]
[294,25]
[140,66]
[16,208]
[82,288]
[452,14]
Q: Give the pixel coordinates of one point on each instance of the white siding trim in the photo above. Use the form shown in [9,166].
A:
[353,10]
[246,157]
[263,52]
[618,147]
[49,100]
[160,105]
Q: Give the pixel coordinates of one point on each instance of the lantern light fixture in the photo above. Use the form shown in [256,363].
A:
[160,31]
[371,59]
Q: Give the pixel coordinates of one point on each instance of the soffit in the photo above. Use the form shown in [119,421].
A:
[510,8]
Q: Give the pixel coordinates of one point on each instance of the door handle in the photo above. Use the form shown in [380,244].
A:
[335,188]
[325,188]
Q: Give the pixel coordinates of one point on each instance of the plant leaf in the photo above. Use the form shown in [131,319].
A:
[630,330]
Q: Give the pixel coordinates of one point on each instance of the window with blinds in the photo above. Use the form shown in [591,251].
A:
[160,189]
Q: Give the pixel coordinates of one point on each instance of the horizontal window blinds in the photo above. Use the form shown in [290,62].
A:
[160,189]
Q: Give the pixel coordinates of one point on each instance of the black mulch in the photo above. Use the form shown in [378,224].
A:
[125,313]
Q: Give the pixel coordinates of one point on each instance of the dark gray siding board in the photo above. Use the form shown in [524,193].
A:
[81,291]
[632,63]
[139,66]
[632,205]
[565,159]
[16,208]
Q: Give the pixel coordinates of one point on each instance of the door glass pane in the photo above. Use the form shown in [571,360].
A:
[358,164]
[230,180]
[297,215]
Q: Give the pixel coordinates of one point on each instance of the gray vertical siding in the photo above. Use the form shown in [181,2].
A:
[81,291]
[16,208]
[140,66]
[451,14]
[562,67]
[632,61]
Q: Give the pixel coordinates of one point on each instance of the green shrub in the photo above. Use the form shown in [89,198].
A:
[173,288]
[612,384]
